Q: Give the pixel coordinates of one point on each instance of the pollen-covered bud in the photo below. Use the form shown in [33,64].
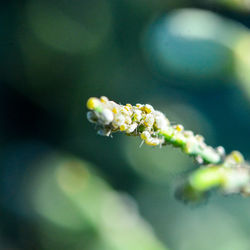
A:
[149,120]
[238,157]
[115,110]
[145,135]
[199,138]
[221,151]
[139,106]
[188,148]
[129,108]
[152,141]
[188,133]
[137,115]
[161,122]
[235,158]
[131,128]
[119,120]
[148,108]
[93,103]
[112,105]
[179,127]
[124,111]
[128,119]
[104,99]
[123,127]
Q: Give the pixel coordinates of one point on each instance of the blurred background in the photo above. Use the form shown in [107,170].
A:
[62,186]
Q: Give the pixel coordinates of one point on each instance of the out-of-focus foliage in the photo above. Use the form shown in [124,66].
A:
[238,5]
[196,44]
[190,59]
[72,27]
[70,199]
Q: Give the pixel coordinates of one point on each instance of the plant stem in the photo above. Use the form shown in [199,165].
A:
[229,173]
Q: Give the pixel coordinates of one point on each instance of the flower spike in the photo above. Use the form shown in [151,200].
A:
[151,125]
[230,173]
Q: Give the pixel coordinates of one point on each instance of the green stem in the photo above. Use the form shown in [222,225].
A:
[194,148]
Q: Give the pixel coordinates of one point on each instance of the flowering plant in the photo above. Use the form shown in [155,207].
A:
[230,172]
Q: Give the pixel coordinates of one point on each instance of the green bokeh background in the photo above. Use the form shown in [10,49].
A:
[62,186]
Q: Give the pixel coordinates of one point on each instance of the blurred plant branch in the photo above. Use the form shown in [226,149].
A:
[229,173]
[93,213]
[242,5]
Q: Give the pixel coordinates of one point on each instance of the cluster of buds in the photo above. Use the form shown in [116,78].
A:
[151,125]
[140,120]
[229,173]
